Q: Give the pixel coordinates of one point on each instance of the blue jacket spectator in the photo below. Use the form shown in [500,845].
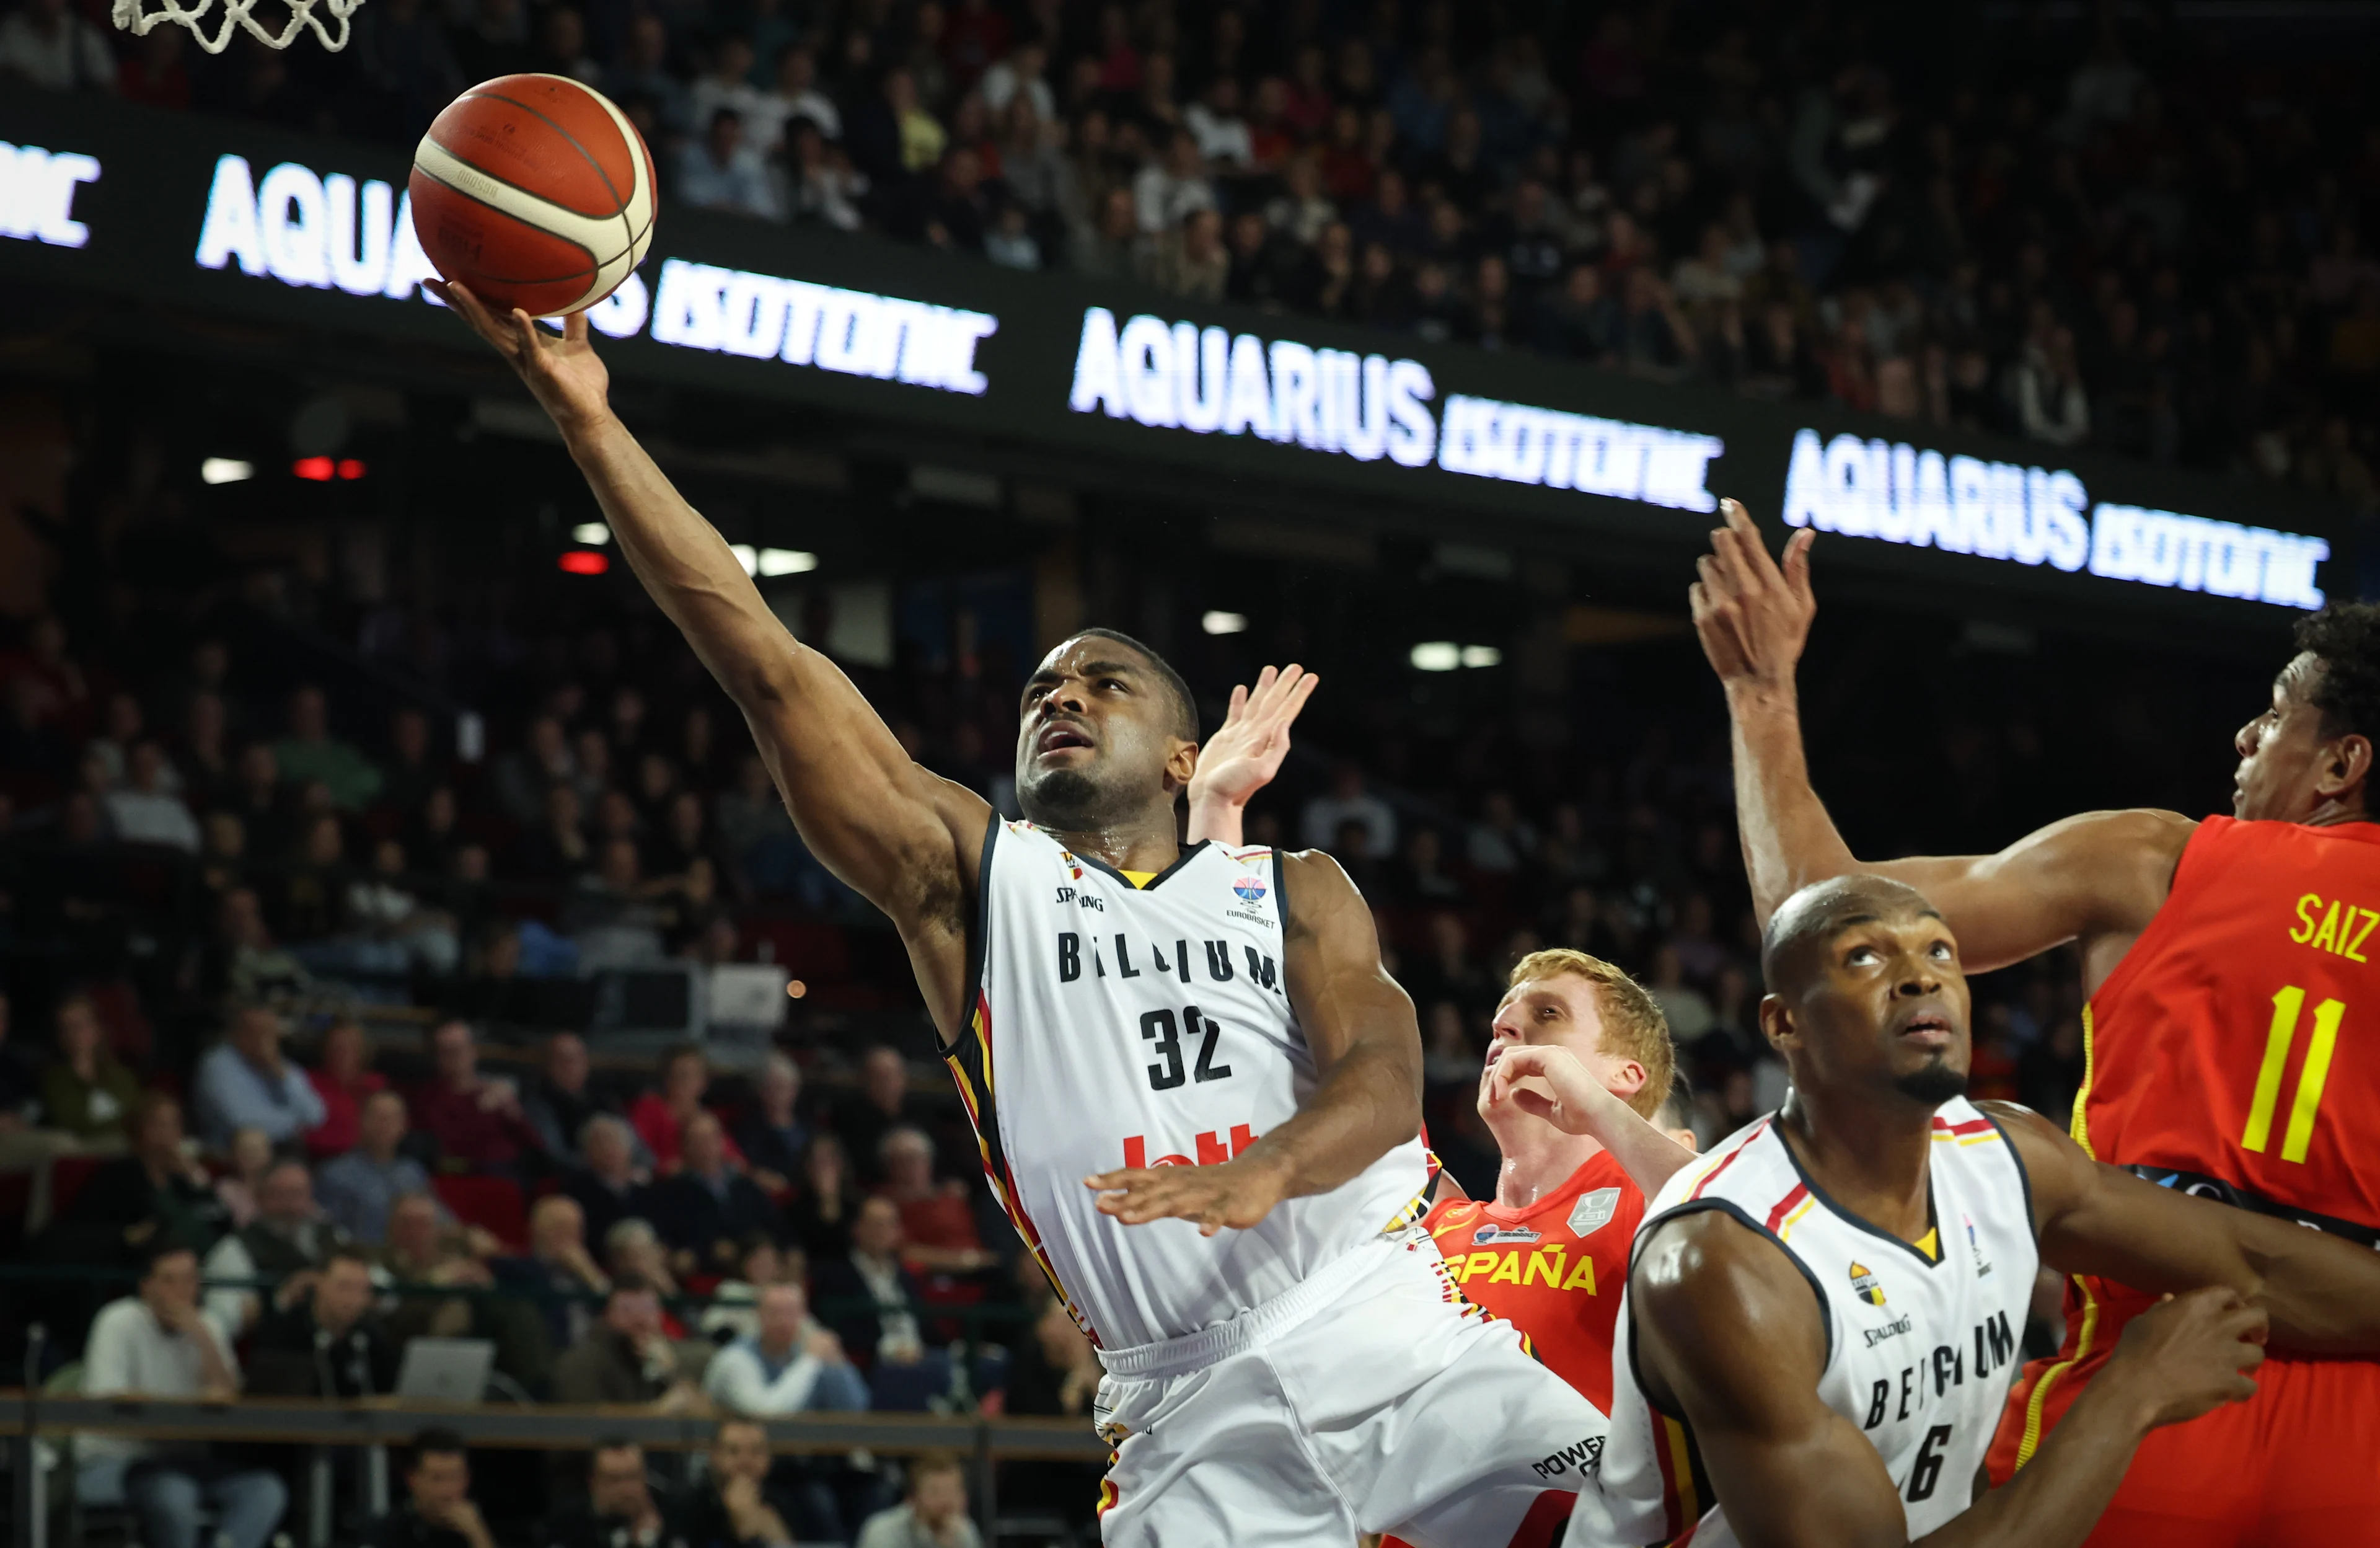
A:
[243,1083]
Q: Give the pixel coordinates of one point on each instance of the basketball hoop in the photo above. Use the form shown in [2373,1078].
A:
[129,15]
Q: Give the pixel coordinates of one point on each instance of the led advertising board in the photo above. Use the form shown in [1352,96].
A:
[317,235]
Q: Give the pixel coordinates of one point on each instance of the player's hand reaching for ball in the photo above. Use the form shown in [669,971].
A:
[2190,1355]
[563,374]
[1753,614]
[1236,1194]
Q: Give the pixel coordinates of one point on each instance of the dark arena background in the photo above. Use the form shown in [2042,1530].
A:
[1412,341]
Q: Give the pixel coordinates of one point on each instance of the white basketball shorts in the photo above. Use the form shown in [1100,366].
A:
[1371,1398]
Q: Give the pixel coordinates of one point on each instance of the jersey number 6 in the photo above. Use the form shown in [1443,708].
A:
[1162,1025]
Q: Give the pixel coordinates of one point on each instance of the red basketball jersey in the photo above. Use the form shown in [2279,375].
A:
[2235,1050]
[1554,1270]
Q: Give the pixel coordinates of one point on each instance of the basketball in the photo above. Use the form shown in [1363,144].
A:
[535,192]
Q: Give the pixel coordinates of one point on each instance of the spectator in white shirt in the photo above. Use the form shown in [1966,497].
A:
[45,44]
[244,1082]
[144,810]
[1215,119]
[155,1344]
[729,85]
[722,171]
[791,1365]
[796,96]
[935,1513]
[1021,71]
[1349,802]
[1173,187]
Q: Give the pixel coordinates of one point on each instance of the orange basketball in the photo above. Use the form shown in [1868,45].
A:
[536,192]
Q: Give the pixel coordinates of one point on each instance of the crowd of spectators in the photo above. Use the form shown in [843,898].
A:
[2128,234]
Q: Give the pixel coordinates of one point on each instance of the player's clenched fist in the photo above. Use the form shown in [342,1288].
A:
[1231,1193]
[2191,1355]
[1752,614]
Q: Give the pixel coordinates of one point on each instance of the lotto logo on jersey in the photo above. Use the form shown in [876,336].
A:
[1864,1285]
[1210,1147]
[1250,889]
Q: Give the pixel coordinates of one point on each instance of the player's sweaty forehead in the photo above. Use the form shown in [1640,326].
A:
[1811,919]
[1084,659]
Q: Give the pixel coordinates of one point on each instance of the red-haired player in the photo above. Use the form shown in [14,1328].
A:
[2229,1036]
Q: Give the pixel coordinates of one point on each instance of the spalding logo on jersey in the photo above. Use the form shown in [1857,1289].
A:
[1594,1211]
[1864,1285]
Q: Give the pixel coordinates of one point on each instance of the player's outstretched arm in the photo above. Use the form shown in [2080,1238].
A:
[2101,874]
[2320,1293]
[1246,752]
[1727,1334]
[899,836]
[1366,1044]
[1582,1105]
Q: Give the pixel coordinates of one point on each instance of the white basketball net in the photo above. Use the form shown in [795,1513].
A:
[129,15]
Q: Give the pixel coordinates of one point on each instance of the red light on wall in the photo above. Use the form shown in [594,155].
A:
[584,561]
[314,469]
[350,469]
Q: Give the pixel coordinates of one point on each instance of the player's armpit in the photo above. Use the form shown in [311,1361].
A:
[2321,1294]
[1729,1334]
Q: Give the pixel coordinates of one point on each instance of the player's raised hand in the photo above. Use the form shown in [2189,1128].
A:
[1752,613]
[1230,1193]
[2190,1355]
[1579,1103]
[1246,752]
[564,374]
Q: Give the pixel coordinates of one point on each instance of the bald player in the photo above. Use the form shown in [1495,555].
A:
[1203,1123]
[2227,1039]
[1823,1312]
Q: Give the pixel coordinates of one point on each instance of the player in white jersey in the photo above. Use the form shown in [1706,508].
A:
[1822,1316]
[1197,1089]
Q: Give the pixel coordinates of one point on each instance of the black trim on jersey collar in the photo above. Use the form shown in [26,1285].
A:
[1154,881]
[2022,1176]
[978,940]
[1735,1211]
[1933,1216]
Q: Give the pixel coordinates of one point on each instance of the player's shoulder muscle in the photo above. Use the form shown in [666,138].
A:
[1319,898]
[1726,1318]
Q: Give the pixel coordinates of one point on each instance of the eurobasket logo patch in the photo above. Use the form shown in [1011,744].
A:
[1489,1235]
[1250,889]
[1864,1285]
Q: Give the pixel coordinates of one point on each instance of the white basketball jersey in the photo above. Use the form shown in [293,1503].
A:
[1118,1026]
[1919,1353]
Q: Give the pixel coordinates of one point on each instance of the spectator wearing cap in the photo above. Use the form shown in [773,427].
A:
[359,1189]
[86,1091]
[156,1343]
[438,1511]
[245,1082]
